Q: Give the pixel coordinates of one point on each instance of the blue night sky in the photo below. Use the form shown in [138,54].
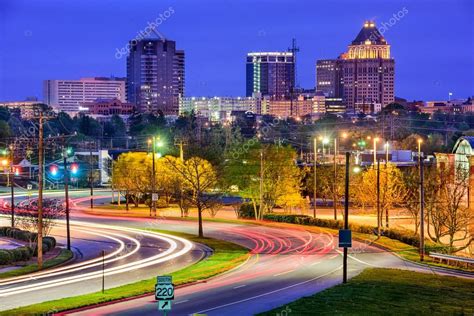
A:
[432,44]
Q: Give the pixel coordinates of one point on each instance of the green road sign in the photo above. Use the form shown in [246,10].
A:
[164,305]
[164,288]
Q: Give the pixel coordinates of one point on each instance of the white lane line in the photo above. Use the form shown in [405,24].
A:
[268,293]
[238,287]
[162,257]
[180,302]
[282,273]
[358,260]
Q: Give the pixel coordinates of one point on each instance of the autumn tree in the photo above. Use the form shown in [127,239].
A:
[267,176]
[391,189]
[199,179]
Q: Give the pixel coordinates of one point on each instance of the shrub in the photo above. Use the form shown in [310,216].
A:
[5,257]
[246,211]
[21,254]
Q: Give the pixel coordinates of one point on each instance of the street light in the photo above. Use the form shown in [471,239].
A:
[387,145]
[156,142]
[315,148]
[419,141]
[376,139]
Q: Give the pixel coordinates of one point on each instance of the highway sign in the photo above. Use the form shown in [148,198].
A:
[345,238]
[29,187]
[164,305]
[164,288]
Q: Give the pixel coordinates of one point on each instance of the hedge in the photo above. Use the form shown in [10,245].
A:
[24,253]
[404,236]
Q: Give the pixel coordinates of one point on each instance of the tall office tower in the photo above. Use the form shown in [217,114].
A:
[68,95]
[328,77]
[155,76]
[270,74]
[368,72]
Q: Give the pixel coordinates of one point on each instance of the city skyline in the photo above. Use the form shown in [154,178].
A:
[69,58]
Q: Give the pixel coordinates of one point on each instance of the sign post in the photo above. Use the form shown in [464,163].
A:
[164,292]
[345,235]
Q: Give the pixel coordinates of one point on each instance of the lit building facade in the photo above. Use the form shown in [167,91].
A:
[363,76]
[218,108]
[155,76]
[270,74]
[67,95]
[368,72]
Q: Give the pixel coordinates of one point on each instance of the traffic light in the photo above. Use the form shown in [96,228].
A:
[74,168]
[53,170]
[16,170]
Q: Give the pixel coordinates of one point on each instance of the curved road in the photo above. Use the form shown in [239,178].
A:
[285,264]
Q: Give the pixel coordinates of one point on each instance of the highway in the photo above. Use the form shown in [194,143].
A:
[285,264]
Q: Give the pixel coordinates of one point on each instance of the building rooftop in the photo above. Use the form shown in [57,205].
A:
[369,34]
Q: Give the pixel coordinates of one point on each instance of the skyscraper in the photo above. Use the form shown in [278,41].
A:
[328,79]
[363,76]
[270,74]
[155,75]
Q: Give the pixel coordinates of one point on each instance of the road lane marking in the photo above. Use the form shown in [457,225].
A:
[180,302]
[271,292]
[238,287]
[282,273]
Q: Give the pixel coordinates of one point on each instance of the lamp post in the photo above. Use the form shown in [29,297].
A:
[12,186]
[154,197]
[315,148]
[376,139]
[387,145]
[66,196]
[422,203]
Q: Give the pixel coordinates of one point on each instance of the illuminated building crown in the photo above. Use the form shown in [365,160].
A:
[369,44]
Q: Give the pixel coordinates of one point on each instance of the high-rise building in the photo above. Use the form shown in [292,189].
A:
[155,76]
[328,77]
[68,95]
[270,74]
[363,76]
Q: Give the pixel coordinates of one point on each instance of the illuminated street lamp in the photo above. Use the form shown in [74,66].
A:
[376,139]
[387,146]
[419,141]
[157,142]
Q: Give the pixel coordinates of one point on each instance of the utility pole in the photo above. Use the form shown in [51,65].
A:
[39,246]
[334,186]
[12,185]
[346,215]
[153,180]
[379,216]
[422,211]
[91,180]
[66,195]
[315,148]
[261,185]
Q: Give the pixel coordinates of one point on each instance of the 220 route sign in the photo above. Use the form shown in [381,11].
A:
[164,288]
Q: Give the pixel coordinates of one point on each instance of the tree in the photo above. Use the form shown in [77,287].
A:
[411,199]
[392,189]
[199,180]
[448,212]
[267,176]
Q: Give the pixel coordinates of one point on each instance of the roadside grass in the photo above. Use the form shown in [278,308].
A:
[225,256]
[63,256]
[389,292]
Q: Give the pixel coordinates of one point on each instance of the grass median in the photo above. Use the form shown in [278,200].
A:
[63,256]
[225,256]
[389,292]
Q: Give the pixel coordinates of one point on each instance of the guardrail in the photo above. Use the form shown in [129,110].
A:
[452,260]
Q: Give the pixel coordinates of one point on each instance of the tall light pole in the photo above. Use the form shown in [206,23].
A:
[12,186]
[422,204]
[376,139]
[334,186]
[153,180]
[315,148]
[387,145]
[66,196]
[39,240]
